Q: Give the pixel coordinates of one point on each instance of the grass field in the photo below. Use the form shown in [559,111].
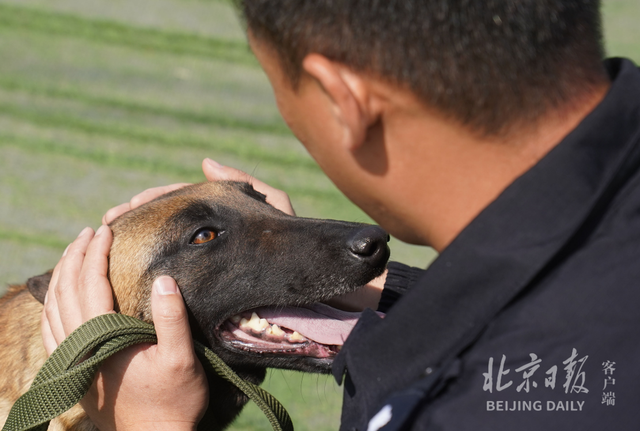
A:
[102,99]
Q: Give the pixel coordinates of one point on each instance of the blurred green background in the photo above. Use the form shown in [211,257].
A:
[101,99]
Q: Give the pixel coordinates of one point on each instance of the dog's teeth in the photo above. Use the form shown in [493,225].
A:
[244,323]
[236,319]
[296,337]
[275,331]
[263,324]
[255,324]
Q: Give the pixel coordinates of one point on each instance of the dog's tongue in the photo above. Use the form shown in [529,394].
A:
[318,322]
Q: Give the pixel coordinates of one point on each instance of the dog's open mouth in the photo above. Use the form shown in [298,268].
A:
[316,330]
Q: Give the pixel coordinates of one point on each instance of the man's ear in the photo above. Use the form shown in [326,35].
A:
[352,100]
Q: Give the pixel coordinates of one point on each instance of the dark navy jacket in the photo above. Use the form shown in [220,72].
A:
[530,318]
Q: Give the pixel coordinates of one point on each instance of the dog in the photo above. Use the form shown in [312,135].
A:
[253,278]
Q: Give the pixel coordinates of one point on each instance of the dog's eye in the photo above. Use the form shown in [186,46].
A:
[203,235]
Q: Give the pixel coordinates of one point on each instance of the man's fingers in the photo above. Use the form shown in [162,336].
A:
[95,290]
[79,289]
[66,287]
[115,212]
[171,321]
[50,315]
[214,171]
[139,199]
[150,194]
[48,339]
[56,273]
[50,324]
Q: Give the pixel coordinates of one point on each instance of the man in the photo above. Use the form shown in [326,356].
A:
[490,131]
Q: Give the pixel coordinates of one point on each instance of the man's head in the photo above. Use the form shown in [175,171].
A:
[486,64]
[423,111]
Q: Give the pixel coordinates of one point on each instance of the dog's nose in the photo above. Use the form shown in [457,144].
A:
[369,243]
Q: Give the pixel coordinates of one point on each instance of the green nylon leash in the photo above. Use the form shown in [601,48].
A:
[63,380]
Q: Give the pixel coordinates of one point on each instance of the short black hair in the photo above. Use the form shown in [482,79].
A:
[487,64]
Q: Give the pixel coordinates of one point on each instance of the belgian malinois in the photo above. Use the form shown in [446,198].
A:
[253,279]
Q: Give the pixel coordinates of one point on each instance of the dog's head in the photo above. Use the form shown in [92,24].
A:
[253,278]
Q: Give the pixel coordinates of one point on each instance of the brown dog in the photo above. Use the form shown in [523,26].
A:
[253,279]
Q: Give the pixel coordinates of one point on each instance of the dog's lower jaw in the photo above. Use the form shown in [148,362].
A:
[237,353]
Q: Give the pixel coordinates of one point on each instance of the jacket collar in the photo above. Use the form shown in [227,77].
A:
[534,221]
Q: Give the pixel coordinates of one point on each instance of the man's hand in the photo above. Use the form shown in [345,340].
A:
[368,296]
[277,198]
[155,387]
[213,171]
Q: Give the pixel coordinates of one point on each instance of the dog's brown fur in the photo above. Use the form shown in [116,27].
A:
[154,240]
[22,354]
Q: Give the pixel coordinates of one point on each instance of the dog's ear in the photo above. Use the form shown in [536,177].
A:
[39,285]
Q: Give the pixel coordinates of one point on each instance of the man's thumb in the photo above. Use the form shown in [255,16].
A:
[171,320]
